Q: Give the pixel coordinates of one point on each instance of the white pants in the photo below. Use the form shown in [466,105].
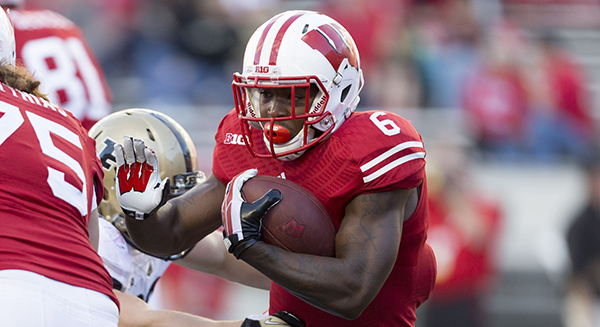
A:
[31,300]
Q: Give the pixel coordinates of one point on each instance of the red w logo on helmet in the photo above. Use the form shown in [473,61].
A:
[334,43]
[131,178]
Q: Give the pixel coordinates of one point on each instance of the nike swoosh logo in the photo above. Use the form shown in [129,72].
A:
[271,322]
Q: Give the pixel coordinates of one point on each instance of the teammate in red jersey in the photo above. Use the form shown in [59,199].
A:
[54,50]
[294,118]
[50,187]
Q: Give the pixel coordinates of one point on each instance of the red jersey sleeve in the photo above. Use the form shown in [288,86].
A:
[228,135]
[387,150]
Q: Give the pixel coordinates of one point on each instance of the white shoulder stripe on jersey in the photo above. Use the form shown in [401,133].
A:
[390,152]
[393,164]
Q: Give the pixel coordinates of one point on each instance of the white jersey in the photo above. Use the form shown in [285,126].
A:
[136,272]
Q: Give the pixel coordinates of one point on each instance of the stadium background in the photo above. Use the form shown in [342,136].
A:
[177,56]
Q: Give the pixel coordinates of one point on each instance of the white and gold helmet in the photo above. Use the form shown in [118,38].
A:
[12,3]
[173,146]
[8,53]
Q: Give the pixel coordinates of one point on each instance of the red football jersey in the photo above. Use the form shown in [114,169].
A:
[47,177]
[372,151]
[54,50]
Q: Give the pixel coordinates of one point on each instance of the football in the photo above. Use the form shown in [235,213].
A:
[298,223]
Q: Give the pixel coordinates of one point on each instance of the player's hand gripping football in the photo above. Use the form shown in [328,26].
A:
[281,318]
[138,186]
[243,220]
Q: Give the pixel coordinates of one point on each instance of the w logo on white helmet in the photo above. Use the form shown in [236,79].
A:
[334,43]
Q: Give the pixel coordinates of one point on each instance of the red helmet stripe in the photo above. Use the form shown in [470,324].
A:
[261,41]
[279,37]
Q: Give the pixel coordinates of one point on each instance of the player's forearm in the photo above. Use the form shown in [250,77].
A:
[154,234]
[182,221]
[166,233]
[137,313]
[327,283]
[210,256]
[241,272]
[168,318]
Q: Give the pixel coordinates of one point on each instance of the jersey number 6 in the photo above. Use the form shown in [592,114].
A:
[387,126]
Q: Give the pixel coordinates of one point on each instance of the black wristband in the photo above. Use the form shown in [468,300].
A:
[238,249]
[250,323]
[289,318]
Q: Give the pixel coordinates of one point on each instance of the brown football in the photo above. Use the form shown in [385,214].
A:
[298,223]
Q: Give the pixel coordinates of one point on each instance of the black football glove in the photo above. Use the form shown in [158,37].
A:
[243,220]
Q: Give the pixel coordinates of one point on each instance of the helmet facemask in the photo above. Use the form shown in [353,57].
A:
[288,135]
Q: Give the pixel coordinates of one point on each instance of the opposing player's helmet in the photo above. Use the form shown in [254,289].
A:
[294,50]
[8,52]
[12,3]
[173,146]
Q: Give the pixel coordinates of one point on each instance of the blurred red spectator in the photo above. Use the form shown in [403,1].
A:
[444,45]
[194,292]
[561,122]
[464,225]
[377,27]
[494,95]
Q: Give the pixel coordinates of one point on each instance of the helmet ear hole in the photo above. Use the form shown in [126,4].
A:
[345,93]
[305,29]
[150,135]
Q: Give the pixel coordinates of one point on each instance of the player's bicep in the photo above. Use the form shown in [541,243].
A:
[370,234]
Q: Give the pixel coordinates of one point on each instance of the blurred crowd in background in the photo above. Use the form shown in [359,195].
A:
[506,70]
[519,90]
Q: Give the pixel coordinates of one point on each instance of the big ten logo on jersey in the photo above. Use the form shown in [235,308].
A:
[231,138]
[107,156]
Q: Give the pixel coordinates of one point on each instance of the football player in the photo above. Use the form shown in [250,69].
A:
[55,51]
[295,117]
[50,187]
[133,271]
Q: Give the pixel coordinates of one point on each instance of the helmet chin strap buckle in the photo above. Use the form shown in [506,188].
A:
[337,79]
[277,133]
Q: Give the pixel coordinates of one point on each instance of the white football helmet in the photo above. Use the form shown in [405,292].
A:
[296,49]
[173,146]
[8,52]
